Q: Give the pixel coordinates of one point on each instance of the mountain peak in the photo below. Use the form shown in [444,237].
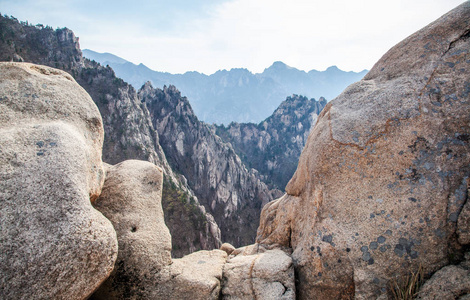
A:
[332,69]
[147,85]
[278,65]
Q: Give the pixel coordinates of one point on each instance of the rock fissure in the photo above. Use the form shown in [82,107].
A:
[251,277]
[463,37]
[378,136]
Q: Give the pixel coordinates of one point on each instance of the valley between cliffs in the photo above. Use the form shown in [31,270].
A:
[380,191]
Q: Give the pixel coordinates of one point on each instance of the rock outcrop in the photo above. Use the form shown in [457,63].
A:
[450,282]
[383,179]
[273,146]
[58,246]
[129,133]
[253,272]
[131,200]
[53,243]
[233,194]
[195,276]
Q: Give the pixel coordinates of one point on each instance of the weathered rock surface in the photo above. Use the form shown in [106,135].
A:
[450,282]
[256,273]
[195,276]
[228,248]
[233,194]
[383,178]
[273,146]
[463,222]
[53,243]
[131,200]
[129,133]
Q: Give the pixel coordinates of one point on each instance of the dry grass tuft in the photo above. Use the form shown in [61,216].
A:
[407,288]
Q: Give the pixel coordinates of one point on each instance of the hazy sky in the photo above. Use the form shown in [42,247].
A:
[208,35]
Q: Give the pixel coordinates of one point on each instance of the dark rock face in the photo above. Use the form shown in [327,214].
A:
[382,184]
[129,133]
[273,147]
[233,194]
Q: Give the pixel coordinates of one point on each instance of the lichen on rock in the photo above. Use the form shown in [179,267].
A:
[381,185]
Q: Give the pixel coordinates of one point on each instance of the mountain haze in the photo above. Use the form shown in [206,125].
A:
[236,95]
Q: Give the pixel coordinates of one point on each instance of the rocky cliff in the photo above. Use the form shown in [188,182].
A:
[273,146]
[233,194]
[129,133]
[382,186]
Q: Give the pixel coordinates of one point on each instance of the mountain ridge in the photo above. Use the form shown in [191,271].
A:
[238,94]
[112,58]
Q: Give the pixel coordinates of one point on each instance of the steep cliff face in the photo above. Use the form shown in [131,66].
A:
[231,192]
[129,133]
[22,42]
[273,147]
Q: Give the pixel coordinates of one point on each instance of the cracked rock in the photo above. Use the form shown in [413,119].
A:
[256,273]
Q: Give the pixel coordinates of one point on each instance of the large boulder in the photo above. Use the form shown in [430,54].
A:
[131,200]
[53,243]
[383,178]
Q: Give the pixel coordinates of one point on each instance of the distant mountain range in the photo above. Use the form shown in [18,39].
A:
[236,95]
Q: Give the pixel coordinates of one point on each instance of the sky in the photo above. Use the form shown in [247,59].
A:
[208,35]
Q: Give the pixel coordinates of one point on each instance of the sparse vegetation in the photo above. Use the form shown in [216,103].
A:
[181,209]
[406,288]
